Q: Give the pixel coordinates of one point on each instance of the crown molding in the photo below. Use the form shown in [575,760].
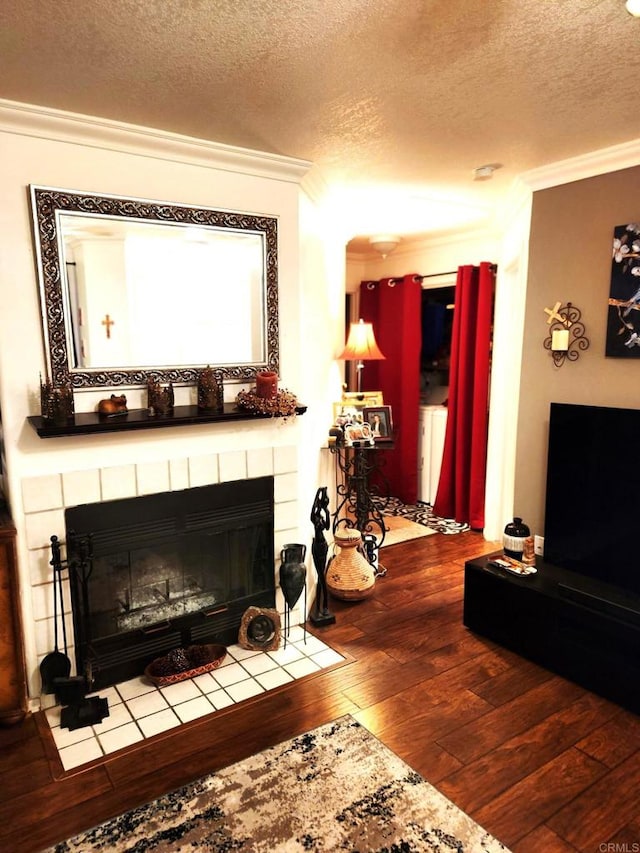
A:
[78,129]
[589,165]
[452,238]
[314,185]
[425,243]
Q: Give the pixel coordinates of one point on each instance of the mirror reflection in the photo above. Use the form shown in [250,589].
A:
[146,294]
[136,289]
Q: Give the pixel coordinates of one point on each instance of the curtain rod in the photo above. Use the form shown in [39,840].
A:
[394,281]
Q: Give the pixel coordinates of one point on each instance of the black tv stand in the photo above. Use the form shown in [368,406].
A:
[582,629]
[595,601]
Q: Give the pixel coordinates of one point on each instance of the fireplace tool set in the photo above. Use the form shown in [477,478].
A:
[78,710]
[55,665]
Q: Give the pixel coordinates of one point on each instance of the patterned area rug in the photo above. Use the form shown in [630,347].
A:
[421,513]
[399,529]
[336,788]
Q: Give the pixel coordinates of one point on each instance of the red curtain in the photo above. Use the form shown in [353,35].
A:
[464,464]
[394,309]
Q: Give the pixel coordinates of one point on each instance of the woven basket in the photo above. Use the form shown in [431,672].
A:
[203,659]
[350,576]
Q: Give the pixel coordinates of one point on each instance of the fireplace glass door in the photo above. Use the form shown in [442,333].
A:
[159,572]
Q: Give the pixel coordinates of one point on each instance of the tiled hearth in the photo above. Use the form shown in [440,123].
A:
[139,710]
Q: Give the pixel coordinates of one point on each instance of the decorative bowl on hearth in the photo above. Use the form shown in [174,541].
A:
[180,664]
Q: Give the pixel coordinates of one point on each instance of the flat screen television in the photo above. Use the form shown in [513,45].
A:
[592,512]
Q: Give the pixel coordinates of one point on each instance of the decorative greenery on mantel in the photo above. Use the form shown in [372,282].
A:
[282,404]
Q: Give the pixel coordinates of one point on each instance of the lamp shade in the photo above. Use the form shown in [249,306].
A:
[361,344]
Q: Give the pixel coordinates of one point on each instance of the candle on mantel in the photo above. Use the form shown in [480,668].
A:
[560,340]
[266,384]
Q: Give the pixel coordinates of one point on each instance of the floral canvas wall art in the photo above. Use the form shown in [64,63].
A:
[623,319]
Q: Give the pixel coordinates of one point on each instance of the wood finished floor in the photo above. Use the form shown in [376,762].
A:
[541,763]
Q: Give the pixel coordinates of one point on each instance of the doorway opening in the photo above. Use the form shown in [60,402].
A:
[435,355]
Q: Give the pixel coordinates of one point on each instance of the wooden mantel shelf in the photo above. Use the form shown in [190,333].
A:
[88,423]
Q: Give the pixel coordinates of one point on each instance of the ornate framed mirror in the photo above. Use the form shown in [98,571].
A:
[133,289]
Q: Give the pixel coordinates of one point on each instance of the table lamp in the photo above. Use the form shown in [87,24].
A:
[361,346]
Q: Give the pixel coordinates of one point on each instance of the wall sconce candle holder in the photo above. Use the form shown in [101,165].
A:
[566,333]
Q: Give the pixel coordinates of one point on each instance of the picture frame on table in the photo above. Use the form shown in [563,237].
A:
[380,420]
[349,410]
[358,434]
[345,413]
[362,398]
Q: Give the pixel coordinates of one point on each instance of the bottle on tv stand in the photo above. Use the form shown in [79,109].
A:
[515,535]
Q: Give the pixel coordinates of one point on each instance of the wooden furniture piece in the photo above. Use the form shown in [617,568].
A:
[582,629]
[13,686]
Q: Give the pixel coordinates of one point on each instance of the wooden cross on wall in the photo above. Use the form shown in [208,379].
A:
[108,323]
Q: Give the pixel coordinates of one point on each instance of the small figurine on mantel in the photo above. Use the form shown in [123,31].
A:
[210,390]
[159,400]
[113,406]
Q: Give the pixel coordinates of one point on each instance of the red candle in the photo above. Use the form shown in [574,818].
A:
[266,384]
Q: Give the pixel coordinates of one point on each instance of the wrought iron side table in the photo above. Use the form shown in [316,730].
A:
[359,503]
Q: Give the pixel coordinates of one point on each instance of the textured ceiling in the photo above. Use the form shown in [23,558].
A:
[373,92]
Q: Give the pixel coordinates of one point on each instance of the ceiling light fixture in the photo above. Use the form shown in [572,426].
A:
[384,243]
[485,173]
[633,8]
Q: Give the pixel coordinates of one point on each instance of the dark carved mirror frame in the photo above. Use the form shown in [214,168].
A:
[48,202]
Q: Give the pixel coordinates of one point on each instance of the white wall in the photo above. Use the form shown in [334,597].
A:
[50,149]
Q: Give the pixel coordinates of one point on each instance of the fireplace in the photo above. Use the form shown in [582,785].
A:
[152,573]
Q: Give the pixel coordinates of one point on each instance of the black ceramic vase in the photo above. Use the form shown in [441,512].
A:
[293,572]
[515,536]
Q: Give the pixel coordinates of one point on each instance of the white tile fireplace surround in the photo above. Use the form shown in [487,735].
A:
[45,499]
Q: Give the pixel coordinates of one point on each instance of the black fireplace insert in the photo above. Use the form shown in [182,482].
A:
[159,572]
